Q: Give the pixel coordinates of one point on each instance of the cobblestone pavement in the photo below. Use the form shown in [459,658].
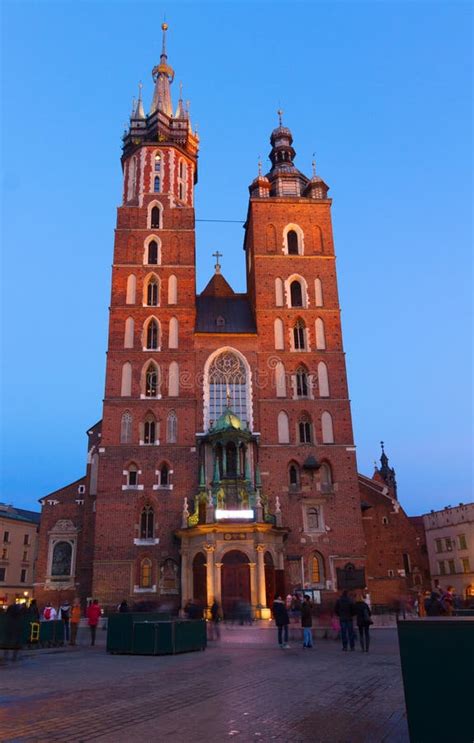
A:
[242,689]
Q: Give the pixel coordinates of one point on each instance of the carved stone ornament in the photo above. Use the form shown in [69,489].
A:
[64,526]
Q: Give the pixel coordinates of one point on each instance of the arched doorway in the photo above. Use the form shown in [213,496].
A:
[235,583]
[269,578]
[200,579]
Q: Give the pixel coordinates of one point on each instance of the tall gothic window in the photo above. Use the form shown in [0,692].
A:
[145,573]
[155,217]
[301,382]
[182,173]
[149,430]
[157,163]
[126,428]
[152,292]
[164,475]
[292,242]
[152,335]
[317,568]
[296,294]
[304,429]
[153,253]
[157,184]
[132,475]
[172,428]
[299,339]
[228,385]
[151,381]
[147,523]
[293,476]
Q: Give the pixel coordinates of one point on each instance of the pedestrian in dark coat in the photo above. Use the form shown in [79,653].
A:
[282,620]
[15,616]
[433,605]
[363,614]
[307,622]
[344,609]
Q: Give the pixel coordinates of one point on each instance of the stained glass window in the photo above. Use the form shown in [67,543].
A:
[228,386]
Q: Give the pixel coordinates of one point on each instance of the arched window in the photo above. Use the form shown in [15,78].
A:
[62,560]
[131,289]
[145,573]
[173,379]
[299,335]
[172,290]
[172,428]
[325,476]
[318,291]
[327,429]
[305,429]
[152,253]
[292,242]
[164,476]
[151,380]
[320,335]
[126,428]
[317,568]
[173,334]
[280,380]
[157,184]
[129,331]
[152,335]
[283,428]
[152,292]
[157,162]
[296,294]
[279,292]
[147,523]
[293,476]
[228,382]
[155,217]
[323,382]
[126,387]
[279,334]
[132,475]
[302,386]
[149,430]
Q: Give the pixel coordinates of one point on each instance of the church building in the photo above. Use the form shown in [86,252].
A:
[224,464]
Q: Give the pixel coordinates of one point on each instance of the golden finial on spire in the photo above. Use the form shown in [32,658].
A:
[280,115]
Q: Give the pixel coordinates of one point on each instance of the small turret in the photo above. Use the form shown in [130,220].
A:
[385,473]
[163,76]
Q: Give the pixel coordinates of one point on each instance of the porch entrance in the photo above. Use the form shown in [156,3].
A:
[235,584]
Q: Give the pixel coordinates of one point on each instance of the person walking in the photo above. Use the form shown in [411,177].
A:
[93,615]
[307,621]
[363,618]
[122,608]
[344,609]
[215,621]
[15,616]
[75,619]
[282,620]
[65,615]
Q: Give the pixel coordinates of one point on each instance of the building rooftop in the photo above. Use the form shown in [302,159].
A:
[19,514]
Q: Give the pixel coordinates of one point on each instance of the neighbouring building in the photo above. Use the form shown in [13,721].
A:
[18,549]
[450,542]
[397,566]
[224,465]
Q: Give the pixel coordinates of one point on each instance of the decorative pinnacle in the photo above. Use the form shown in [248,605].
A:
[280,114]
[259,165]
[181,91]
[382,445]
[217,266]
[313,165]
[164,28]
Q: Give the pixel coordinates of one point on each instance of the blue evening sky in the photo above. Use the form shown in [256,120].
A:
[380,91]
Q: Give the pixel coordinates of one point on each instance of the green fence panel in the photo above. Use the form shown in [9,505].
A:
[437,656]
[189,635]
[120,628]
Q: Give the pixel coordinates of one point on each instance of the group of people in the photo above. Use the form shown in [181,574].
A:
[439,602]
[70,616]
[346,609]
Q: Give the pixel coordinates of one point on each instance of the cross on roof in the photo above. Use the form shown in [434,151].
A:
[217,266]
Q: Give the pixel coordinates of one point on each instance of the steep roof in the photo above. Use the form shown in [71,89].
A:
[220,310]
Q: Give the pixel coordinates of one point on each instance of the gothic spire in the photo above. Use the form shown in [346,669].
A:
[385,472]
[138,112]
[163,75]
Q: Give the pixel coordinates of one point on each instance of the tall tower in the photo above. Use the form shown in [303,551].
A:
[307,453]
[144,453]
